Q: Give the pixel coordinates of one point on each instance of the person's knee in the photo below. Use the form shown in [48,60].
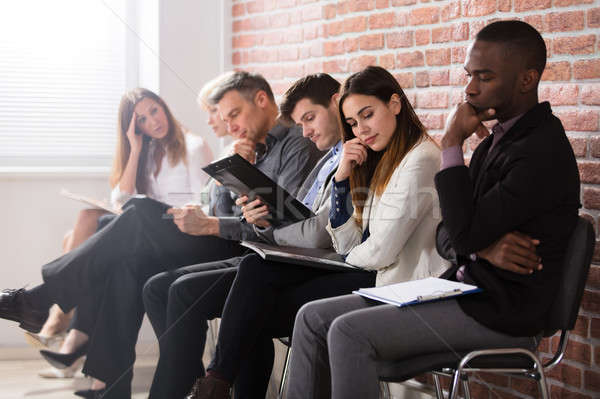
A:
[156,290]
[310,320]
[341,329]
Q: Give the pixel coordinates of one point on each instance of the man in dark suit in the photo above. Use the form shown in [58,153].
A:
[507,219]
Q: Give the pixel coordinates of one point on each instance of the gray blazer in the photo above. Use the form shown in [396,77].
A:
[308,233]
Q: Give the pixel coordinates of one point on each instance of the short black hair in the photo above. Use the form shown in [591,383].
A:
[519,36]
[246,83]
[318,88]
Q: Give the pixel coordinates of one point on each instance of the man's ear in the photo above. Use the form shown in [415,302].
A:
[529,80]
[261,99]
[335,99]
[395,105]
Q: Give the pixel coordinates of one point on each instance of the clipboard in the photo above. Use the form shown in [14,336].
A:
[309,257]
[243,178]
[418,291]
[97,204]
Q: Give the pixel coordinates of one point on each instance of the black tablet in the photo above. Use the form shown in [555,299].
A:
[243,178]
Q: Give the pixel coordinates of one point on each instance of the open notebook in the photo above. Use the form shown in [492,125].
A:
[417,291]
[91,201]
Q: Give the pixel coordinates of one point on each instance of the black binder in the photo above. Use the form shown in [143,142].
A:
[243,178]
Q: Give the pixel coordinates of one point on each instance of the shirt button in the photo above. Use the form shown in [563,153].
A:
[337,209]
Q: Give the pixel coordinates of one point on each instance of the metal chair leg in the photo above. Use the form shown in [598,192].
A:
[465,385]
[543,387]
[453,391]
[439,392]
[285,371]
[385,390]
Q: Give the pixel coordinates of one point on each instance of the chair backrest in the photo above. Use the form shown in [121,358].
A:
[563,313]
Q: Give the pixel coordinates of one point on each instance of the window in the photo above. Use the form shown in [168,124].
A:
[63,69]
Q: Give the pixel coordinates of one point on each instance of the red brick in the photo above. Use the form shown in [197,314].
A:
[280,20]
[351,45]
[335,28]
[557,71]
[536,21]
[450,11]
[593,280]
[424,16]
[439,78]
[592,380]
[360,63]
[589,172]
[526,386]
[458,77]
[478,390]
[387,61]
[244,41]
[316,49]
[476,8]
[273,72]
[558,392]
[236,58]
[399,39]
[544,345]
[586,69]
[504,5]
[591,299]
[580,121]
[422,79]
[333,48]
[422,37]
[396,3]
[285,3]
[405,79]
[595,146]
[415,58]
[590,94]
[371,42]
[526,5]
[441,35]
[475,26]
[593,18]
[360,5]
[293,35]
[256,6]
[496,379]
[262,56]
[293,70]
[561,94]
[576,351]
[458,55]
[432,121]
[565,3]
[574,45]
[438,57]
[432,99]
[579,145]
[335,66]
[356,24]
[288,54]
[329,11]
[460,32]
[402,19]
[382,3]
[312,13]
[272,38]
[311,32]
[564,21]
[382,21]
[238,10]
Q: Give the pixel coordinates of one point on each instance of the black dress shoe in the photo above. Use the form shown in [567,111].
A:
[91,393]
[63,360]
[14,306]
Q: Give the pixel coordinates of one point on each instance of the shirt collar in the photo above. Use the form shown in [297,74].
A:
[337,148]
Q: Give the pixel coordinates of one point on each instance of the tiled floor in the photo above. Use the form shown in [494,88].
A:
[19,379]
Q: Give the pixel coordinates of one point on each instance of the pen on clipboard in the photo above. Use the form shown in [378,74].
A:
[424,298]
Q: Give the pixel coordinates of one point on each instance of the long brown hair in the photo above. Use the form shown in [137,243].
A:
[376,171]
[173,144]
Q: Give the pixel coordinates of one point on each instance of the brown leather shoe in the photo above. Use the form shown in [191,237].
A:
[13,306]
[210,387]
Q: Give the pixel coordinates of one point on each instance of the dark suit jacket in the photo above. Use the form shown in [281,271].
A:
[529,182]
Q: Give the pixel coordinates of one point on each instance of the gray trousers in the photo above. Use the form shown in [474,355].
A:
[337,342]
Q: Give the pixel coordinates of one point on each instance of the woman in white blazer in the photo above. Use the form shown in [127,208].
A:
[383,216]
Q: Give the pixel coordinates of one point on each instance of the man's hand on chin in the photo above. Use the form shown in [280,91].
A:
[190,219]
[463,121]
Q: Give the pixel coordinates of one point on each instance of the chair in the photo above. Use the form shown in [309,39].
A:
[516,361]
[287,341]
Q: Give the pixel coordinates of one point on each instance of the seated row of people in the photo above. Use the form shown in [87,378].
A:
[380,200]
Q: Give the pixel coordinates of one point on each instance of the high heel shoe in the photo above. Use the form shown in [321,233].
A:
[91,393]
[63,360]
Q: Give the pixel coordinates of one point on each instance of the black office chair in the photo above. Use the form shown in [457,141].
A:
[516,362]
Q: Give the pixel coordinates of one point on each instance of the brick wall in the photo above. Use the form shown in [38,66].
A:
[423,44]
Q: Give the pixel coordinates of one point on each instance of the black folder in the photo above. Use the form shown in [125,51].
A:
[243,178]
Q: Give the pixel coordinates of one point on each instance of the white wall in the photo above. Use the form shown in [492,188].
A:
[190,51]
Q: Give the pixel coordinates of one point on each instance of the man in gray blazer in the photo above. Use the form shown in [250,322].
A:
[179,304]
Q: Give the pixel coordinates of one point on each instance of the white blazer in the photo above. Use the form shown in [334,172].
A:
[402,223]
